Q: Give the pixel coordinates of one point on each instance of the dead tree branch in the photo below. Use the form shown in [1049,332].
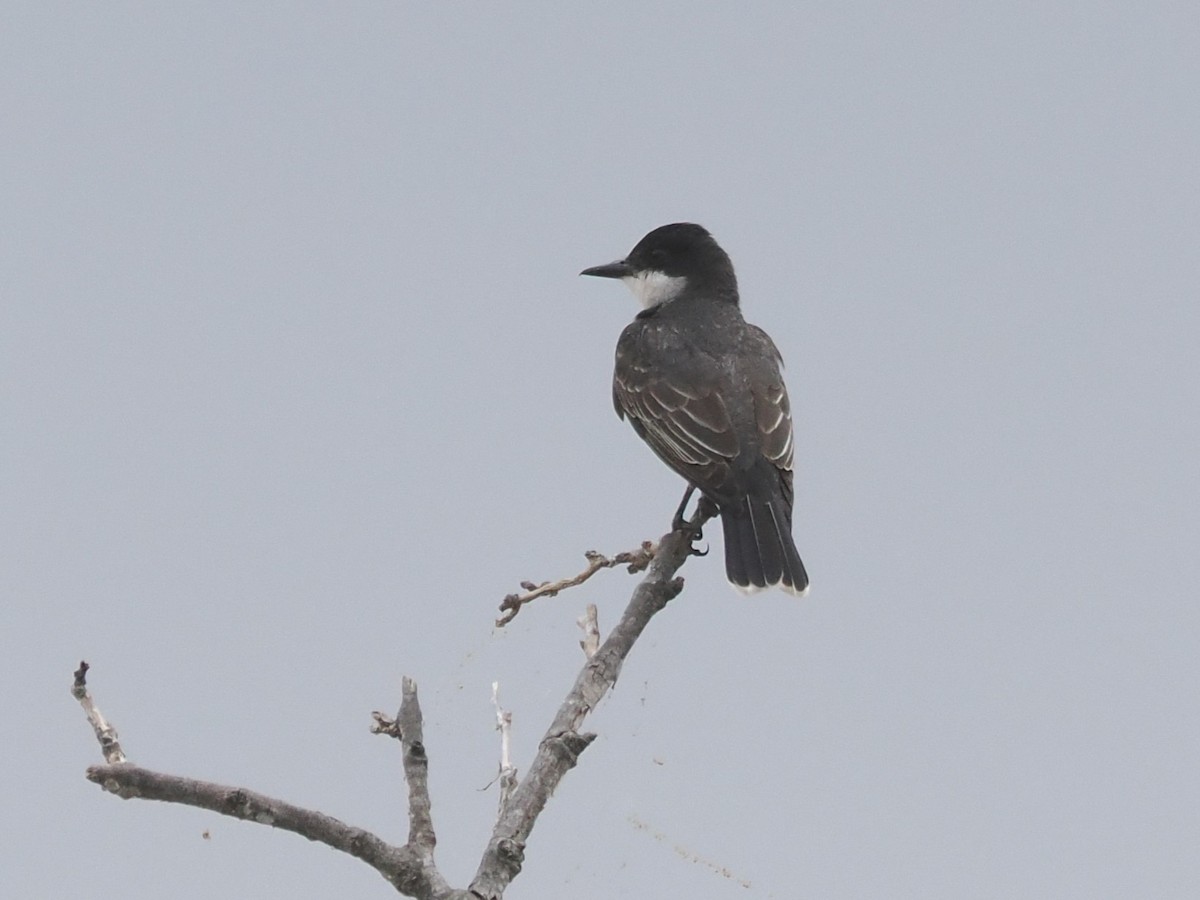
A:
[589,624]
[508,771]
[637,560]
[410,868]
[105,733]
[401,866]
[563,742]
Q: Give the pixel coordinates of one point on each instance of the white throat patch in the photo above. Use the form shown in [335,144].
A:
[655,288]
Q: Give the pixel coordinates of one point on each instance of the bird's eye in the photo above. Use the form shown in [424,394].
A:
[658,254]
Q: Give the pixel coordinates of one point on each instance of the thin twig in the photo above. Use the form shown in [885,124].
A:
[508,772]
[636,560]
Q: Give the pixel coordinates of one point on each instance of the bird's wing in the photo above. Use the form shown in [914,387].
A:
[680,413]
[772,411]
[773,415]
[691,427]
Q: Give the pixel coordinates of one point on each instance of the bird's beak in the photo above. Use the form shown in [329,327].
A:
[618,269]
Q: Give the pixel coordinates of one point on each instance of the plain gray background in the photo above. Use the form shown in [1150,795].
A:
[299,380]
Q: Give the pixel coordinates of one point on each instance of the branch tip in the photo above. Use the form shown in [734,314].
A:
[382,724]
[105,733]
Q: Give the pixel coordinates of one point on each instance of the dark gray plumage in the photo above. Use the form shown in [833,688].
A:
[703,388]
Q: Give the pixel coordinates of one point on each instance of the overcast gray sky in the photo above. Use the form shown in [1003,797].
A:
[299,380]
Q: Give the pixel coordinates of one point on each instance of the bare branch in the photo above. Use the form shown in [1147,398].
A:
[408,728]
[105,733]
[636,560]
[410,869]
[562,743]
[508,772]
[589,623]
[399,865]
[421,835]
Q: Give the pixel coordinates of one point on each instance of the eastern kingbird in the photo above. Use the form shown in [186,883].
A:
[703,388]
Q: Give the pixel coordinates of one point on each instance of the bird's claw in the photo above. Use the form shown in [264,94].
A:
[691,534]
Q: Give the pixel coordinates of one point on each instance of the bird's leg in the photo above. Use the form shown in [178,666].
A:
[705,509]
[679,523]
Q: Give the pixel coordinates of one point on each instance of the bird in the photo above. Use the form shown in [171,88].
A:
[704,389]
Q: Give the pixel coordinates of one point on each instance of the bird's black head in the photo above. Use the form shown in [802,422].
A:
[672,261]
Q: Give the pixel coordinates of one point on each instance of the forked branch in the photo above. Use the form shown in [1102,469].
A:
[410,868]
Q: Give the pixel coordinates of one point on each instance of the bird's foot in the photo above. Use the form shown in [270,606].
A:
[692,531]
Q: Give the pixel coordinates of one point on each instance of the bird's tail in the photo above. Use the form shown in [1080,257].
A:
[759,550]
